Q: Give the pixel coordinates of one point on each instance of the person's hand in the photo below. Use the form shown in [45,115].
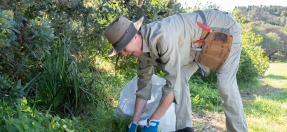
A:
[133,127]
[152,126]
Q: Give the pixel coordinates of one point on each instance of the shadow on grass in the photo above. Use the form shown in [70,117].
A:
[280,95]
[271,76]
[249,95]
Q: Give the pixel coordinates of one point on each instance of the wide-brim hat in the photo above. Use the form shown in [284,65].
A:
[120,32]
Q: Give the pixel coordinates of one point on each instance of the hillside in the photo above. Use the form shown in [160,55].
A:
[269,22]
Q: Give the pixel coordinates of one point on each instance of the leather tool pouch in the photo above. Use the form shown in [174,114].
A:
[215,50]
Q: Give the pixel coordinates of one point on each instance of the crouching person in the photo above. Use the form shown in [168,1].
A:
[182,43]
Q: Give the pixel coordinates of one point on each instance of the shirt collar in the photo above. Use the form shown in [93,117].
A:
[145,44]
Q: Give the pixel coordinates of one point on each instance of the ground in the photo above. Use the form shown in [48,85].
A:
[258,103]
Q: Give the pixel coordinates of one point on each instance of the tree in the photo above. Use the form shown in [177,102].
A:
[38,34]
[272,44]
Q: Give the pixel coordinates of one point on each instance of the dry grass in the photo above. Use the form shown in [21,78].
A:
[205,121]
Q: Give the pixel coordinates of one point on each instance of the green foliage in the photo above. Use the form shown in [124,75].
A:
[115,82]
[103,121]
[7,26]
[252,62]
[8,90]
[20,117]
[203,94]
[274,15]
[67,80]
[268,22]
[62,85]
[273,40]
[21,35]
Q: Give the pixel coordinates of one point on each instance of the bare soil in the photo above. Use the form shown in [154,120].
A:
[204,121]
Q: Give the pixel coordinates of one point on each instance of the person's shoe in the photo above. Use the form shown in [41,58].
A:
[187,129]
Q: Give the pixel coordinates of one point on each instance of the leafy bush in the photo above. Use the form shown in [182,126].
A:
[253,63]
[20,117]
[203,94]
[8,90]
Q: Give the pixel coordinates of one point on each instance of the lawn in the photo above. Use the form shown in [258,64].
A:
[268,111]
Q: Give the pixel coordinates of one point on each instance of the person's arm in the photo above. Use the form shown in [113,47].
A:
[163,106]
[145,72]
[139,106]
[143,94]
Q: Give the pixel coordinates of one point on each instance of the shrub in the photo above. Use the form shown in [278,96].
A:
[20,117]
[253,63]
[8,90]
[203,94]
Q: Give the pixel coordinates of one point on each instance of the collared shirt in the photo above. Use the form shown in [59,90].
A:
[167,43]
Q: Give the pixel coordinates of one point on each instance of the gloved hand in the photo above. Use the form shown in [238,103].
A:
[133,127]
[153,126]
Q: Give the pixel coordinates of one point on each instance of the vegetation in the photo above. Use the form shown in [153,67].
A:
[270,23]
[55,75]
[20,117]
[264,106]
[267,111]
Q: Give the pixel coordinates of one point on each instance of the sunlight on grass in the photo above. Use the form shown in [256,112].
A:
[104,65]
[114,80]
[268,113]
[276,75]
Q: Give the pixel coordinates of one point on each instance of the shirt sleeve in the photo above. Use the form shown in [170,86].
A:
[169,58]
[145,72]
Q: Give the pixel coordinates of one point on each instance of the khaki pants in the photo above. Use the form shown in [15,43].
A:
[227,86]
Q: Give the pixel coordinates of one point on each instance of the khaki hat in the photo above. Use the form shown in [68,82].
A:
[120,32]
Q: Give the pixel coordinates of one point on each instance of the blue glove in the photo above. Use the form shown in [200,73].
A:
[133,127]
[153,126]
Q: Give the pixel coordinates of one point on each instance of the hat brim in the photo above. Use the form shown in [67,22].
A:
[127,39]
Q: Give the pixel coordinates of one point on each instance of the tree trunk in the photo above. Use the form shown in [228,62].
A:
[269,55]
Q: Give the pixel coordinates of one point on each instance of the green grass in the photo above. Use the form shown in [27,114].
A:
[276,75]
[268,113]
[103,121]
